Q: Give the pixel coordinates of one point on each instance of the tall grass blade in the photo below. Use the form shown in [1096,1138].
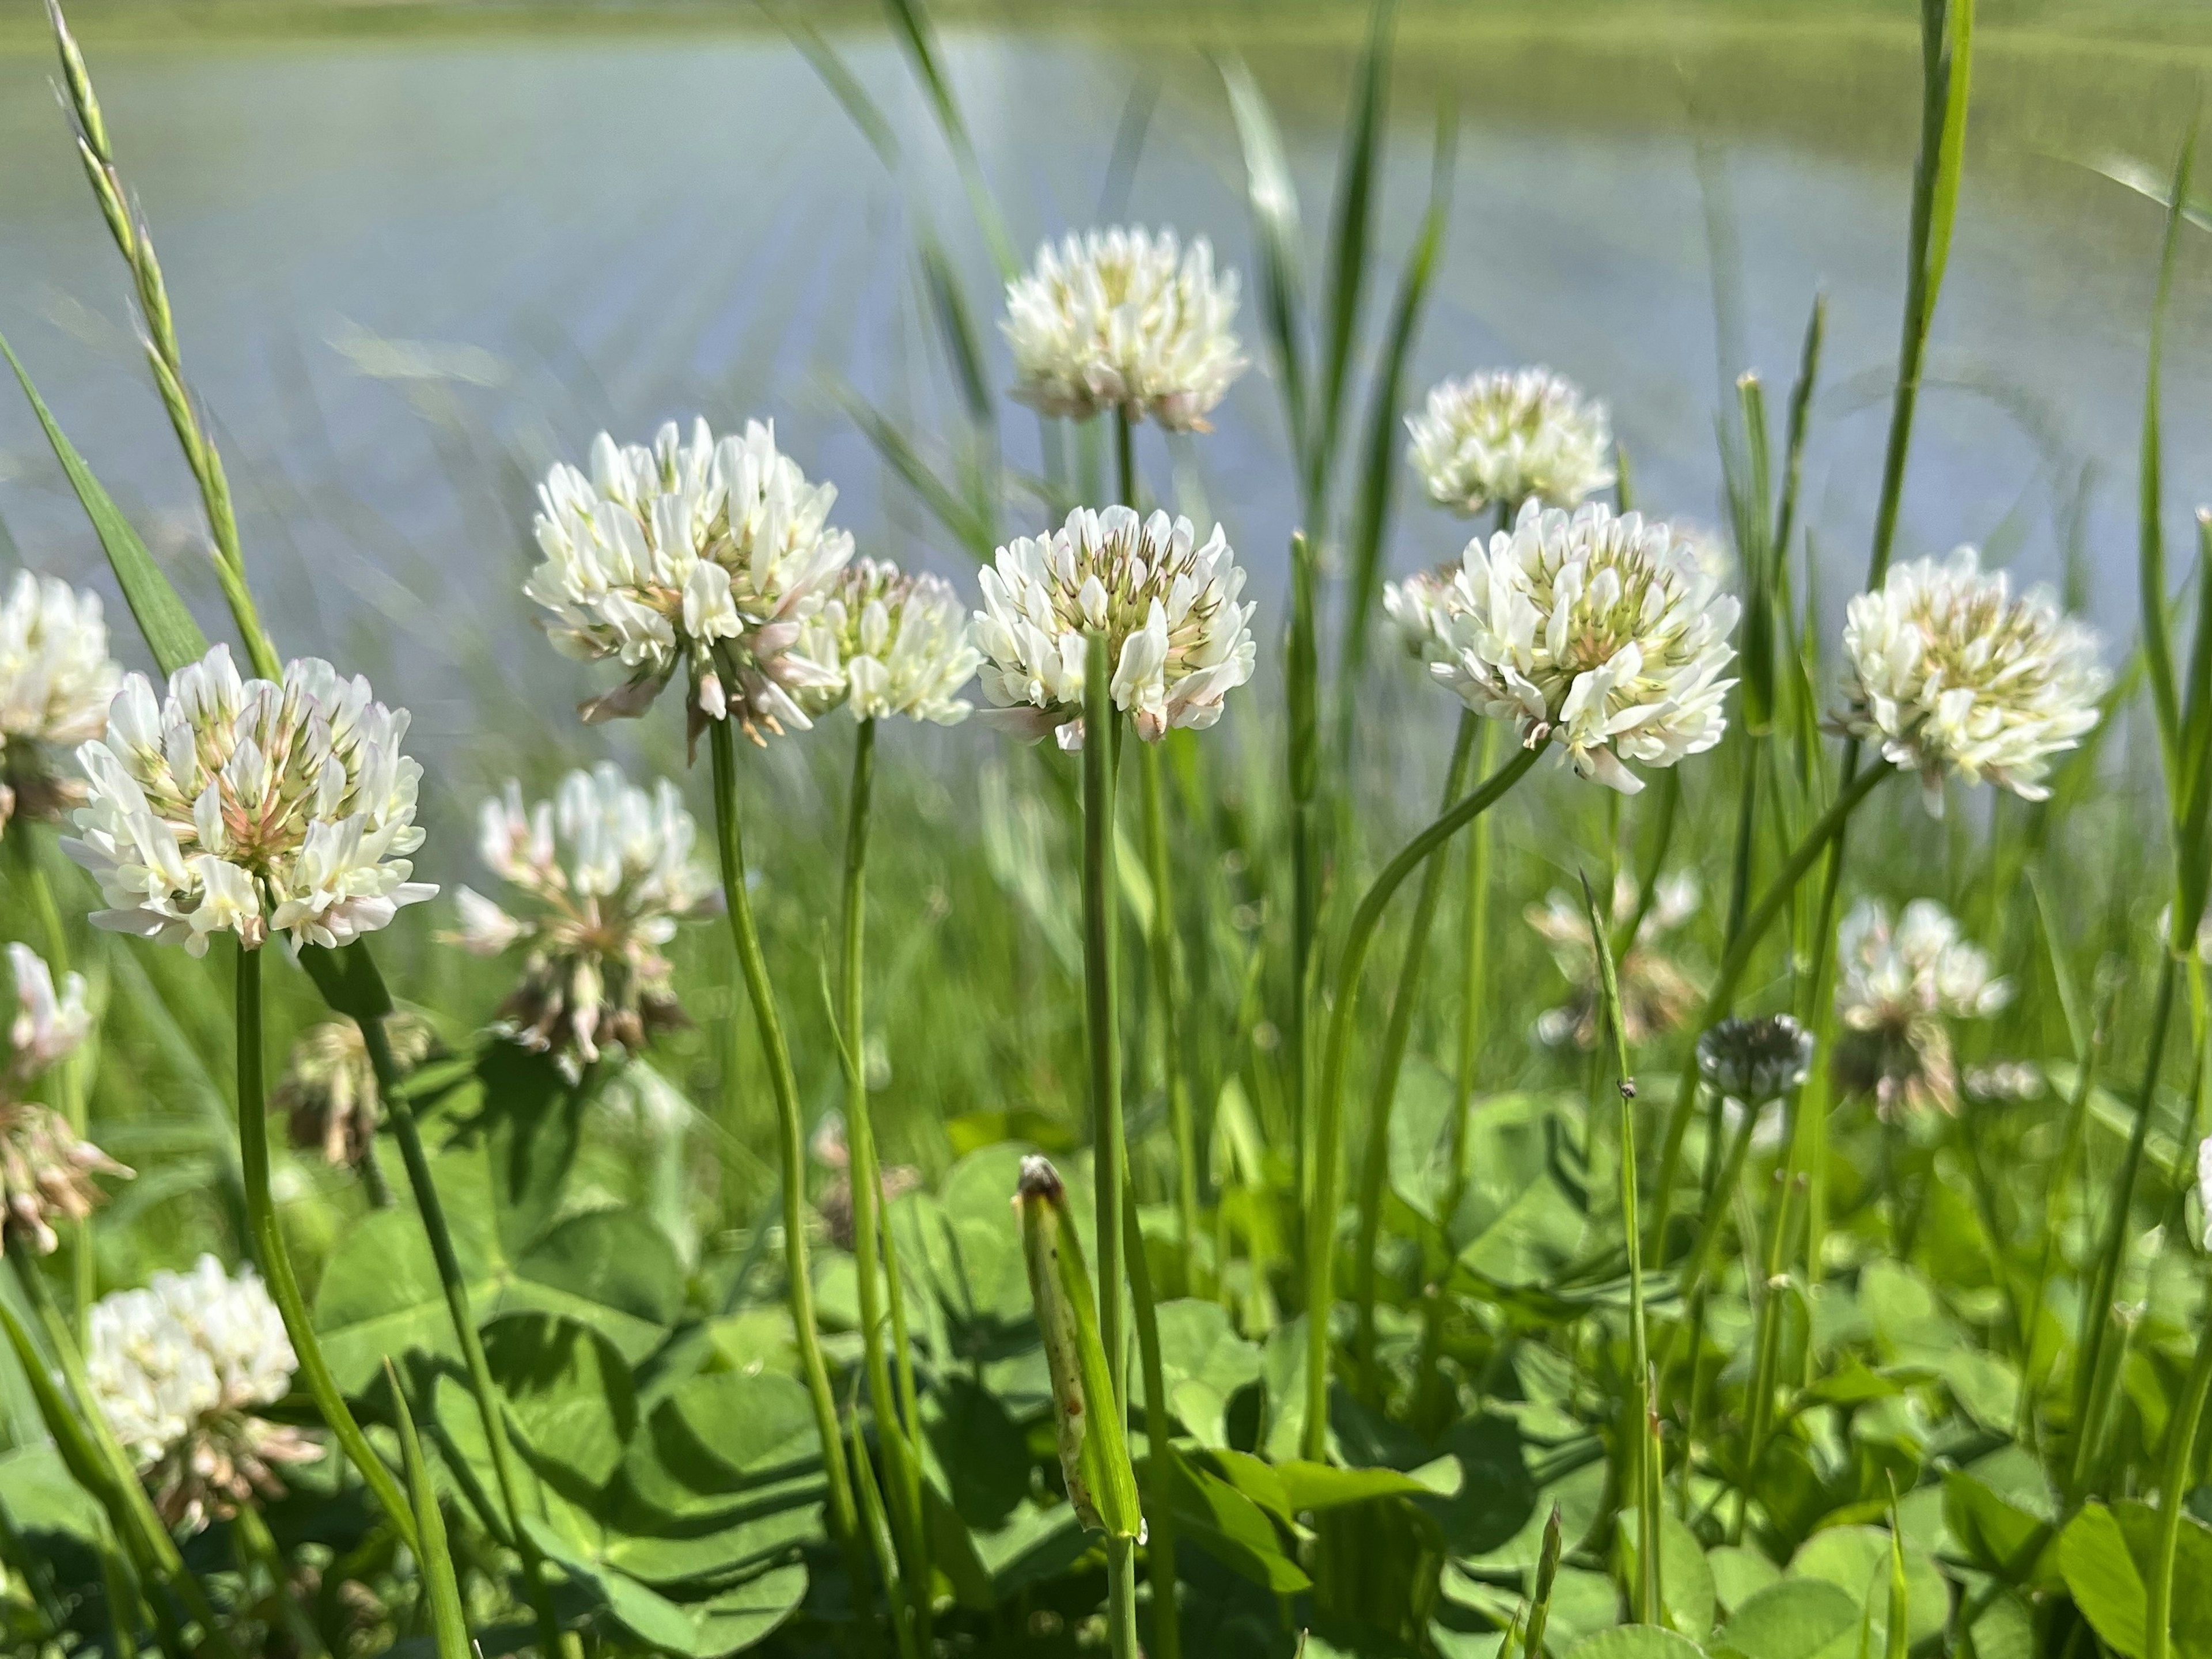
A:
[956,323]
[844,86]
[961,518]
[162,617]
[1348,241]
[1277,238]
[449,1629]
[1129,134]
[2150,573]
[911,21]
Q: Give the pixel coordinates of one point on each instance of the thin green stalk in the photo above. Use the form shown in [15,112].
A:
[1766,1352]
[1122,1597]
[1102,1023]
[1473,963]
[909,1405]
[275,1257]
[1302,692]
[1321,1216]
[1161,1466]
[1374,1172]
[491,1408]
[123,1604]
[865,1179]
[1167,994]
[791,1135]
[2172,1492]
[1735,961]
[2121,1205]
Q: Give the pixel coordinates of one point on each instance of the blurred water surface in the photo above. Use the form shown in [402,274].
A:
[412,269]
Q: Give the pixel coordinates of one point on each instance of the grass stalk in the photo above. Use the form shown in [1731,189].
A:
[2173,1494]
[267,1233]
[1102,1025]
[1161,1462]
[1328,1100]
[791,1135]
[1373,1171]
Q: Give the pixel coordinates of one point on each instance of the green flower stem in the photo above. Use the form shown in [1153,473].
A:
[872,1240]
[275,1258]
[909,1405]
[1161,1462]
[1302,689]
[87,1445]
[2096,1307]
[1735,961]
[1328,1102]
[1166,996]
[1766,1350]
[791,1137]
[1474,936]
[399,1112]
[1102,1022]
[1122,1597]
[1373,1171]
[2173,1490]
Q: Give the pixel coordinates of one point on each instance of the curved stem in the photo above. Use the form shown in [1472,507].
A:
[790,1132]
[491,1406]
[276,1258]
[2180,1455]
[1374,1172]
[1329,1100]
[1738,957]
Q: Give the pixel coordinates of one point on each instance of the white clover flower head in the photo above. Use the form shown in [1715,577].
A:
[1124,319]
[328,1093]
[603,873]
[1516,435]
[1595,632]
[1656,994]
[1950,673]
[1421,607]
[46,1168]
[707,556]
[55,682]
[899,643]
[1901,983]
[48,1023]
[238,806]
[1756,1060]
[178,1368]
[1179,640]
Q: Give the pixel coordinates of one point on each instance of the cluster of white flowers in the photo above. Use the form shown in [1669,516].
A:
[710,556]
[606,872]
[56,680]
[1513,437]
[1656,995]
[1900,984]
[1179,640]
[178,1368]
[1758,1060]
[1420,608]
[1949,672]
[1595,632]
[45,1167]
[329,1095]
[1124,319]
[898,642]
[240,805]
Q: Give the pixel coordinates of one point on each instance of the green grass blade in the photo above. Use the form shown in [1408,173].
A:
[448,1629]
[171,634]
[956,322]
[1371,510]
[1129,134]
[1276,231]
[966,525]
[2151,571]
[844,86]
[919,36]
[1355,218]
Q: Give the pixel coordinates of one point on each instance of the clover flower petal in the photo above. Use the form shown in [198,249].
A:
[55,682]
[899,643]
[1950,673]
[1178,639]
[1515,436]
[1124,319]
[604,872]
[1596,632]
[707,555]
[240,805]
[178,1368]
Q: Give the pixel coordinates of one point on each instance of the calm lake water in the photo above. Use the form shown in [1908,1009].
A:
[411,270]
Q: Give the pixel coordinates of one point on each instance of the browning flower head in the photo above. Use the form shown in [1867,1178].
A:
[605,873]
[708,556]
[1515,436]
[55,681]
[1901,985]
[1756,1060]
[1656,995]
[1124,319]
[329,1095]
[241,805]
[1598,632]
[898,643]
[1950,673]
[46,1169]
[178,1368]
[1179,640]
